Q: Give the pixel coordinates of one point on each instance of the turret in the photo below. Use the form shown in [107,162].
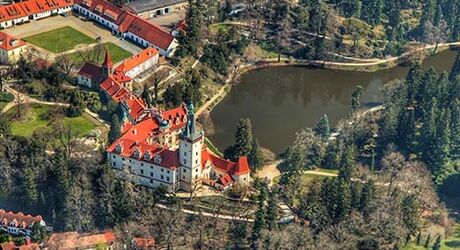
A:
[190,147]
[107,65]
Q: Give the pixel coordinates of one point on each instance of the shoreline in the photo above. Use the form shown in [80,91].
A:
[373,66]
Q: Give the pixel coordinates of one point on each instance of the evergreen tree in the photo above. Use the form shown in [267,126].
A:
[428,11]
[413,81]
[115,129]
[260,216]
[437,243]
[347,164]
[272,210]
[455,130]
[418,239]
[410,207]
[455,71]
[427,242]
[322,127]
[146,96]
[407,131]
[367,196]
[427,135]
[243,138]
[255,157]
[355,98]
[77,104]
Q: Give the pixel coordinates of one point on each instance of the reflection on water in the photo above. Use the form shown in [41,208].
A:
[281,100]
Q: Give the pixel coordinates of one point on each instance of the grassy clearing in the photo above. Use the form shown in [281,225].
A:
[38,118]
[117,54]
[450,243]
[215,28]
[60,40]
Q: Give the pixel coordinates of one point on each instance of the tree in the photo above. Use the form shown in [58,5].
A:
[427,242]
[146,96]
[76,104]
[115,128]
[260,216]
[355,98]
[437,243]
[322,127]
[455,71]
[243,138]
[255,156]
[272,210]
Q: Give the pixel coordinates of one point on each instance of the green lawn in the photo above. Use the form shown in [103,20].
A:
[450,243]
[37,119]
[60,40]
[117,54]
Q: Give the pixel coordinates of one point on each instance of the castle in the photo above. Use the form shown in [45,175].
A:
[163,148]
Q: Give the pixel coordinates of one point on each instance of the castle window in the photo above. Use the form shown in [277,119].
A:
[114,157]
[157,159]
[167,171]
[244,178]
[185,170]
[162,177]
[151,174]
[114,164]
[151,181]
[142,164]
[147,156]
[142,171]
[185,153]
[162,170]
[167,178]
[123,159]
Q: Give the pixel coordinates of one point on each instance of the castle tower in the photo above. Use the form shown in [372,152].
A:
[107,65]
[190,146]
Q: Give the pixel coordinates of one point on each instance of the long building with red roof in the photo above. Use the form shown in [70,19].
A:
[165,149]
[19,223]
[21,12]
[127,25]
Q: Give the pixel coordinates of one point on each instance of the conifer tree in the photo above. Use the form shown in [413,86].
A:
[272,210]
[260,216]
[322,127]
[427,135]
[347,164]
[437,243]
[146,96]
[428,11]
[367,196]
[407,131]
[255,157]
[355,98]
[115,129]
[243,138]
[427,242]
[455,130]
[419,238]
[455,71]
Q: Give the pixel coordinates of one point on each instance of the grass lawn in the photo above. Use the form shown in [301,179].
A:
[60,40]
[450,243]
[37,120]
[215,28]
[117,54]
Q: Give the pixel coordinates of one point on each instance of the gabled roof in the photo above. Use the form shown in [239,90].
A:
[12,246]
[105,9]
[9,42]
[74,240]
[91,70]
[149,32]
[140,6]
[19,219]
[143,243]
[30,7]
[136,60]
[233,168]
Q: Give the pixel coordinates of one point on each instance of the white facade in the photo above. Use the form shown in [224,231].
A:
[11,228]
[84,81]
[145,172]
[139,69]
[36,16]
[190,160]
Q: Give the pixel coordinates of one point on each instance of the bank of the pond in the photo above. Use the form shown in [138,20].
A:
[282,100]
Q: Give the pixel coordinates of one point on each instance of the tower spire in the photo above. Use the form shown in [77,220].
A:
[190,131]
[107,60]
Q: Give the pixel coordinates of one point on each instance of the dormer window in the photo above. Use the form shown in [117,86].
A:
[184,119]
[118,148]
[147,156]
[157,159]
[137,153]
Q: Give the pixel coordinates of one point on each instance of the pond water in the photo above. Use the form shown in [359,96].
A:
[282,100]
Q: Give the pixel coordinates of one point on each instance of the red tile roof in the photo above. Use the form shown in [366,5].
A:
[12,246]
[91,70]
[30,7]
[9,42]
[135,104]
[181,25]
[21,220]
[74,240]
[107,60]
[233,168]
[105,9]
[136,60]
[144,243]
[150,32]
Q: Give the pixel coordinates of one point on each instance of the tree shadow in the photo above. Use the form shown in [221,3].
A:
[453,244]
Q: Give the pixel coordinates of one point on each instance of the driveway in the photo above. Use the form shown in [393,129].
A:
[168,21]
[86,27]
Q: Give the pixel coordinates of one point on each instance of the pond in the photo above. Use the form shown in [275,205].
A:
[282,100]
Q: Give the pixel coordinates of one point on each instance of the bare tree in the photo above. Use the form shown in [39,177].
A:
[66,63]
[19,100]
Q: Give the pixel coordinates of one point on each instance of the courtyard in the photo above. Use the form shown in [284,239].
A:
[60,40]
